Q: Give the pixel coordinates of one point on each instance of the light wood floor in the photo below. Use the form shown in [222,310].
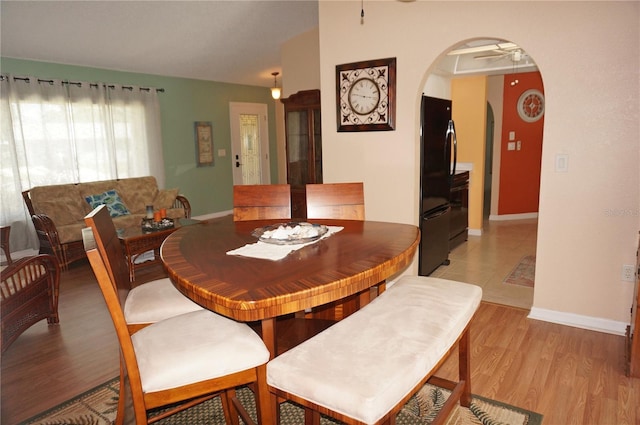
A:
[569,375]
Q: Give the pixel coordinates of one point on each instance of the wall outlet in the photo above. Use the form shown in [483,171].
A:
[628,273]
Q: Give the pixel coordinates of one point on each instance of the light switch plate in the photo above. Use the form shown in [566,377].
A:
[511,146]
[562,163]
[512,135]
[222,152]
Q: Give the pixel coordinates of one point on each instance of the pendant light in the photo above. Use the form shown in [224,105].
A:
[275,90]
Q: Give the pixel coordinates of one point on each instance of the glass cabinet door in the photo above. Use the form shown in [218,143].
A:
[303,131]
[298,147]
[317,146]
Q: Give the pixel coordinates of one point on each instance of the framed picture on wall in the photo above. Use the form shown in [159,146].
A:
[204,143]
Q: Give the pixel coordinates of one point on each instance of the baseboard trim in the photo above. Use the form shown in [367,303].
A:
[475,232]
[579,321]
[522,216]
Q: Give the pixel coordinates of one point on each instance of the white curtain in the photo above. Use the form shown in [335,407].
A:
[55,132]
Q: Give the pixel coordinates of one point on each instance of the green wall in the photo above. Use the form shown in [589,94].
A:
[184,101]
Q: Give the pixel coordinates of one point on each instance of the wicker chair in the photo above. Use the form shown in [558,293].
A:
[28,293]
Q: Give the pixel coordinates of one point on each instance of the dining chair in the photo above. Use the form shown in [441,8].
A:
[344,201]
[261,202]
[340,201]
[146,303]
[183,360]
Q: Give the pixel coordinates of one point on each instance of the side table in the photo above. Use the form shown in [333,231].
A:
[5,231]
[136,242]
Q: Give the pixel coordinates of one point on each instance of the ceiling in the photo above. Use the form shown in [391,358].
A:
[487,57]
[227,41]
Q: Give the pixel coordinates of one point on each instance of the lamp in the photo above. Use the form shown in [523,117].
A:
[275,90]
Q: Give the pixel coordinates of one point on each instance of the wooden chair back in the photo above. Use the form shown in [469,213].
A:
[174,399]
[114,305]
[109,246]
[344,201]
[339,201]
[261,202]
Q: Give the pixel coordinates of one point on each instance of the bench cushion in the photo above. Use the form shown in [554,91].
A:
[366,364]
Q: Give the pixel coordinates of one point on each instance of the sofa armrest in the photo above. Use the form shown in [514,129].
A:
[48,236]
[29,291]
[182,202]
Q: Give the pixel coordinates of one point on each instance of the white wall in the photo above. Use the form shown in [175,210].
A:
[589,217]
[301,63]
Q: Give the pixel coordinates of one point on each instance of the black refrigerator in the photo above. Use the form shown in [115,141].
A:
[437,167]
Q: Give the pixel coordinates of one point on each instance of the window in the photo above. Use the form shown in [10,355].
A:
[54,132]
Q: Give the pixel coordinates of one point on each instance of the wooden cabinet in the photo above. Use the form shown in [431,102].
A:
[633,330]
[304,146]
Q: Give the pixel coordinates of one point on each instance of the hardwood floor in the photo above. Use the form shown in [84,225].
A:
[571,376]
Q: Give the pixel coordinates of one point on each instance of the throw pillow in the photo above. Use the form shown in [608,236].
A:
[111,199]
[165,198]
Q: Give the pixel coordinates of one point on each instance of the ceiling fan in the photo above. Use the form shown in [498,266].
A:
[496,50]
[500,46]
[515,55]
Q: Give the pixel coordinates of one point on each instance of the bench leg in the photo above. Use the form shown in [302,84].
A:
[464,367]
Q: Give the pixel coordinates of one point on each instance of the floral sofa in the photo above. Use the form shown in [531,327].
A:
[58,211]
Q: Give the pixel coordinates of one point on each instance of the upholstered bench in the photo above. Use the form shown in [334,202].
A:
[363,369]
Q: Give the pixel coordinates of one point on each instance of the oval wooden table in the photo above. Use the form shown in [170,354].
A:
[360,256]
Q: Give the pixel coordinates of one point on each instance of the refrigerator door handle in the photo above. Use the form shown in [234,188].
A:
[436,214]
[451,132]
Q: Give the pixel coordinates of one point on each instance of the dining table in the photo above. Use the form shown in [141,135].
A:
[206,262]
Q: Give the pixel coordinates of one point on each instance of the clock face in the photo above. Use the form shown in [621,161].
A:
[531,105]
[365,97]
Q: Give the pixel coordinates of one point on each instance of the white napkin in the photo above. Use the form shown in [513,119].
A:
[268,251]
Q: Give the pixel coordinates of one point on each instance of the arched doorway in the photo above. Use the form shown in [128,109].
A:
[502,70]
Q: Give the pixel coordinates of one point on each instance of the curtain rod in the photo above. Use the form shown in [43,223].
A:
[77,83]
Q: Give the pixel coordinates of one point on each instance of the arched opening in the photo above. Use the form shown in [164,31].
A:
[502,150]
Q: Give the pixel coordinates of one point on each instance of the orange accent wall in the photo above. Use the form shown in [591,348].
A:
[469,111]
[520,169]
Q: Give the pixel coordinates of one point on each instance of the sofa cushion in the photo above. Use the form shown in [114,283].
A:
[111,199]
[62,210]
[44,198]
[138,192]
[165,198]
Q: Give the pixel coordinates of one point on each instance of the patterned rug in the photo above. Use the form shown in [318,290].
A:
[98,407]
[523,273]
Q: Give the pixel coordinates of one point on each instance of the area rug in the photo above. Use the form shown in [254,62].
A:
[98,407]
[523,273]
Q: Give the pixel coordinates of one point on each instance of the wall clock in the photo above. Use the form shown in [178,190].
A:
[531,105]
[366,95]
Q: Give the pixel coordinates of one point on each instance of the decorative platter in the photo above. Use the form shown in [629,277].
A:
[292,233]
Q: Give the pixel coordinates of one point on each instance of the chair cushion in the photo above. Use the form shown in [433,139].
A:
[194,347]
[155,301]
[367,363]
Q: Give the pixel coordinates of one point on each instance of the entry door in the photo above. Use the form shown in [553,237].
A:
[249,143]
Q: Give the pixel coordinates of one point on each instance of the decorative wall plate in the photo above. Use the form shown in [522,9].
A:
[531,105]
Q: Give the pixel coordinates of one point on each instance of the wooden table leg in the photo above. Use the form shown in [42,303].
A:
[269,335]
